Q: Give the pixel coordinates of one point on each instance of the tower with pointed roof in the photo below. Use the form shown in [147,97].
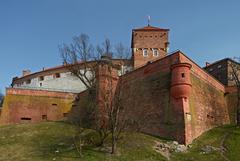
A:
[148,44]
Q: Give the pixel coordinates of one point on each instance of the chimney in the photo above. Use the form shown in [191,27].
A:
[207,64]
[26,72]
[106,58]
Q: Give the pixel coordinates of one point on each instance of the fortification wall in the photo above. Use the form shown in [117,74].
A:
[22,105]
[208,103]
[146,95]
[202,74]
[208,108]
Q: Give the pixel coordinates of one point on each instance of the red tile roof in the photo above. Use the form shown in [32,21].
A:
[150,28]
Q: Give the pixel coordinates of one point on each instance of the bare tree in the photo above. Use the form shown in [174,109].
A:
[111,96]
[83,60]
[82,118]
[80,58]
[120,117]
[235,74]
[122,52]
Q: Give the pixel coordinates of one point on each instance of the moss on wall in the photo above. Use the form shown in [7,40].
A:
[232,106]
[148,99]
[14,104]
[208,107]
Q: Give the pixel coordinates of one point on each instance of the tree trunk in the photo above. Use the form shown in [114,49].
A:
[114,143]
[238,109]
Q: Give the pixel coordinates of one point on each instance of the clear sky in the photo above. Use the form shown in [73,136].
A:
[31,30]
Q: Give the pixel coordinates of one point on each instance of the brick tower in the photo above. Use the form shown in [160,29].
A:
[148,44]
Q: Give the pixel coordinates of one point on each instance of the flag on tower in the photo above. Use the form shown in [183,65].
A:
[149,18]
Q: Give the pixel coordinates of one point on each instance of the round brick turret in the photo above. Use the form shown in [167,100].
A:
[180,81]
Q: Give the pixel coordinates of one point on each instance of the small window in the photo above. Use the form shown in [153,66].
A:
[28,81]
[211,69]
[155,52]
[231,77]
[54,104]
[219,66]
[57,75]
[183,75]
[44,117]
[41,78]
[40,84]
[145,53]
[25,118]
[65,114]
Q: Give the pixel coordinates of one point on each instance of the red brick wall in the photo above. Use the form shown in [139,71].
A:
[31,92]
[146,90]
[148,40]
[107,79]
[208,106]
[21,104]
[146,95]
[202,74]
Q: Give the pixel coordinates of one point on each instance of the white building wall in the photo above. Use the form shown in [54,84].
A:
[66,83]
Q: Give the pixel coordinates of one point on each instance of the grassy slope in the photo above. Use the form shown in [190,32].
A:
[39,142]
[214,138]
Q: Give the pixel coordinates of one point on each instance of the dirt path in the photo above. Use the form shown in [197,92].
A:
[222,146]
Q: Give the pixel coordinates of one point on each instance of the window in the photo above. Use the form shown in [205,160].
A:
[65,114]
[145,53]
[211,69]
[28,81]
[219,66]
[25,118]
[41,78]
[40,84]
[183,75]
[44,117]
[54,104]
[57,75]
[155,52]
[231,77]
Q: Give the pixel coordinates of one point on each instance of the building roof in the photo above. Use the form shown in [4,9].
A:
[52,69]
[220,61]
[150,28]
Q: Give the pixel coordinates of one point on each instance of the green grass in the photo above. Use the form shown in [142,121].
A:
[39,142]
[53,141]
[214,138]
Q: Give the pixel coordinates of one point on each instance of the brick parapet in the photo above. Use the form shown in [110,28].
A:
[202,74]
[160,65]
[33,92]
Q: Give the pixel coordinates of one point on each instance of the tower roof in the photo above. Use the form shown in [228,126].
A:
[150,28]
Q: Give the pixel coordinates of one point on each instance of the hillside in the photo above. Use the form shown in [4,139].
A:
[54,141]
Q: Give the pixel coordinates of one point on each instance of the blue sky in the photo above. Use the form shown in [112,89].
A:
[31,30]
